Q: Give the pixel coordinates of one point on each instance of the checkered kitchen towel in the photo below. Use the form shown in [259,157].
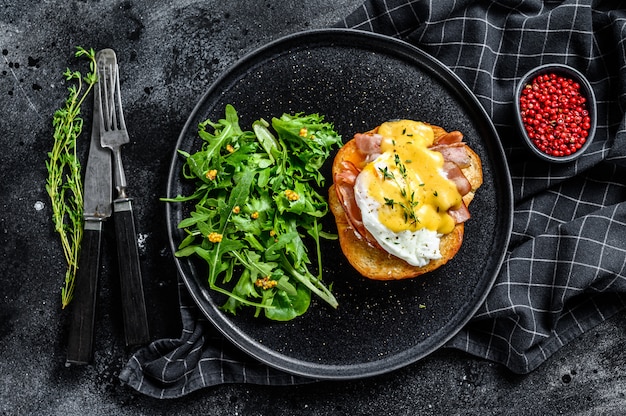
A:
[565,270]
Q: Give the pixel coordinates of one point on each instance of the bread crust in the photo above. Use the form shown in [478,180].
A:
[375,263]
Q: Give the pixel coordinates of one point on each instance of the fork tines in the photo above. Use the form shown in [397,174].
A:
[112,116]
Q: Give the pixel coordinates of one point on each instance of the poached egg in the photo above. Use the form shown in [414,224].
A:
[404,194]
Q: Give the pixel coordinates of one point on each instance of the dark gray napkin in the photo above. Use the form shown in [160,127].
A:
[565,268]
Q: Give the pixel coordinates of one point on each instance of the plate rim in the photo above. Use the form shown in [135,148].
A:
[274,358]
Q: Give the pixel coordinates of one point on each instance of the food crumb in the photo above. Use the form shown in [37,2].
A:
[141,241]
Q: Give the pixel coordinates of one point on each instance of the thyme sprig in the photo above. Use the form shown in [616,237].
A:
[64,184]
[408,194]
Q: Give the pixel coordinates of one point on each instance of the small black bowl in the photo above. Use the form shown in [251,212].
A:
[585,90]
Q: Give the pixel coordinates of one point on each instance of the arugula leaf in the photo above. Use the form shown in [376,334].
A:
[256,207]
[309,139]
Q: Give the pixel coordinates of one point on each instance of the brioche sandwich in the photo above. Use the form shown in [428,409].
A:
[399,197]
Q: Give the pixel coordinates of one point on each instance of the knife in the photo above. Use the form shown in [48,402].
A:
[96,209]
[113,135]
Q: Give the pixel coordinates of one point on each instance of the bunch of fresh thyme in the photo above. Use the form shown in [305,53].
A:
[64,184]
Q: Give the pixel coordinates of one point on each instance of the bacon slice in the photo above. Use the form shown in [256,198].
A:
[369,145]
[455,174]
[455,152]
[460,214]
[449,138]
[348,174]
[344,187]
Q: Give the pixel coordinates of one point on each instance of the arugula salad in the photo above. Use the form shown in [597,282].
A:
[257,213]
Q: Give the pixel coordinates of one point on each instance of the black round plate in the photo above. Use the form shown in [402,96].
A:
[357,80]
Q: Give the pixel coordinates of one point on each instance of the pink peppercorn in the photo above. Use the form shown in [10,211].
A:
[554,114]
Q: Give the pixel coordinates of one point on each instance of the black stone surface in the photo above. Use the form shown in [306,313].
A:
[169,53]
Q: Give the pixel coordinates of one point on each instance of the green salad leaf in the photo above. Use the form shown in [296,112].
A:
[255,209]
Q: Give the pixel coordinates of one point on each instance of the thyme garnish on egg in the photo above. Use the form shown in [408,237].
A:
[410,202]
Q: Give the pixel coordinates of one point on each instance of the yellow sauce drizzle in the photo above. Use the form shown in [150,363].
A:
[408,180]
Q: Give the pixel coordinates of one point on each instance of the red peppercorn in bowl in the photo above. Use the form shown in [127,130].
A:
[556,112]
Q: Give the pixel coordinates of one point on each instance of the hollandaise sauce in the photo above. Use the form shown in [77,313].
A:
[404,194]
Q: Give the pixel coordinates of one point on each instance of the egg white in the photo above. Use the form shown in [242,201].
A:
[417,248]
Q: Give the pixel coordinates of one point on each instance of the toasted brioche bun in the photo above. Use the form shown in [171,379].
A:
[375,263]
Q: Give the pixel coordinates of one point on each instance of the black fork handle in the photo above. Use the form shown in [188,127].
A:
[131,283]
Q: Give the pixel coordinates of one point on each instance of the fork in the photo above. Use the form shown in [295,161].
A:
[113,134]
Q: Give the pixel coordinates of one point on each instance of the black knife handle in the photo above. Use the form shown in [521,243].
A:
[80,341]
[133,301]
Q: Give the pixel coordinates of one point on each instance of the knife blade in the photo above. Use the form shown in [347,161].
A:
[97,207]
